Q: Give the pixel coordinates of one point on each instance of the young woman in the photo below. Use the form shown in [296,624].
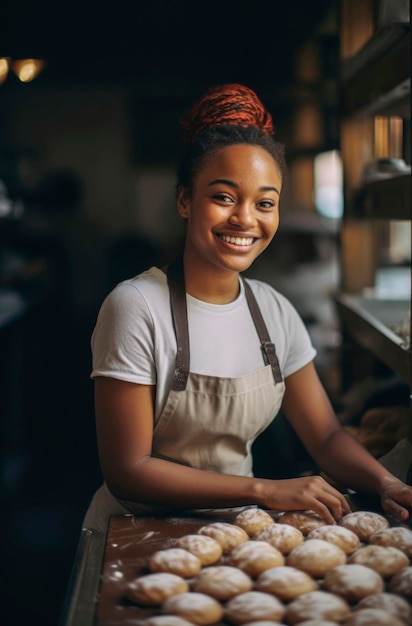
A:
[191,362]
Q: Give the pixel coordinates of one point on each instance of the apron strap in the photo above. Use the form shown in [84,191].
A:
[268,347]
[176,282]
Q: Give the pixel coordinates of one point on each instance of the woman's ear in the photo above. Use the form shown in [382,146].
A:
[183,202]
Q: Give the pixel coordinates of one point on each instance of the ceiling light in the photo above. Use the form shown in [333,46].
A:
[27,69]
[4,68]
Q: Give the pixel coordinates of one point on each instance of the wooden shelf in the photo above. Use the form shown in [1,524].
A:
[378,77]
[369,322]
[388,199]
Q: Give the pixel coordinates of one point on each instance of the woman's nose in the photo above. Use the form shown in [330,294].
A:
[243,215]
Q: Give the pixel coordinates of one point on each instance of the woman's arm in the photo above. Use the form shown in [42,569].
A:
[125,417]
[336,452]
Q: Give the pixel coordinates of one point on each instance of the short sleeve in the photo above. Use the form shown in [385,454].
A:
[122,340]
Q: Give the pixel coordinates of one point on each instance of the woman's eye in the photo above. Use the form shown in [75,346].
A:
[223,197]
[266,205]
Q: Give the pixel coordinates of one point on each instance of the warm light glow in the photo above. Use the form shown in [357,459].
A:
[27,69]
[328,186]
[4,69]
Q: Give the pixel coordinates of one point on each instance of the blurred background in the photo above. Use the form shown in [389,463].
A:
[90,98]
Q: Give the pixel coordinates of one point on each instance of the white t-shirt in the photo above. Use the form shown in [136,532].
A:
[134,339]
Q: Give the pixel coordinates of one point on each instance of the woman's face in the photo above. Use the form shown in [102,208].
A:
[233,211]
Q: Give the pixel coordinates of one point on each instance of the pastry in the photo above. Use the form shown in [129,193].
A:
[207,549]
[305,521]
[401,583]
[197,608]
[253,606]
[317,605]
[227,535]
[286,583]
[364,523]
[385,560]
[281,536]
[339,535]
[395,605]
[175,560]
[253,520]
[222,581]
[253,557]
[316,557]
[153,589]
[397,537]
[353,582]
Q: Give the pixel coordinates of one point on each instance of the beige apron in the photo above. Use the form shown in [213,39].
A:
[208,422]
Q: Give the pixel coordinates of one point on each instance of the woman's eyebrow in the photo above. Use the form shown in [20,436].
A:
[231,183]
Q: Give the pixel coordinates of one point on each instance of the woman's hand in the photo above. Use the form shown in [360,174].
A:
[396,499]
[306,493]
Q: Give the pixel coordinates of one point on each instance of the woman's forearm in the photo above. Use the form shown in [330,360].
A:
[164,482]
[156,481]
[350,464]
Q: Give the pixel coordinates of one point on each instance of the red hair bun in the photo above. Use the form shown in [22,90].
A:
[232,104]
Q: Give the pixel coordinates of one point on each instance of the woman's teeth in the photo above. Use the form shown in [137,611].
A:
[238,241]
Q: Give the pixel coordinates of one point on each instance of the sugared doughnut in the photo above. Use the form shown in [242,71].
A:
[222,581]
[385,560]
[227,535]
[176,561]
[253,557]
[316,557]
[393,604]
[281,536]
[153,589]
[253,606]
[353,582]
[305,521]
[207,549]
[253,520]
[401,583]
[364,523]
[397,537]
[317,605]
[339,535]
[197,608]
[286,583]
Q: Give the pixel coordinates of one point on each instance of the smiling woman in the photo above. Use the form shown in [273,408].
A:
[192,362]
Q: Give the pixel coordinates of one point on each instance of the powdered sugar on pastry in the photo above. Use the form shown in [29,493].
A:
[364,523]
[207,549]
[316,557]
[253,557]
[198,608]
[353,582]
[226,534]
[383,559]
[253,605]
[253,520]
[286,583]
[281,536]
[339,535]
[397,537]
[317,605]
[222,582]
[393,604]
[153,589]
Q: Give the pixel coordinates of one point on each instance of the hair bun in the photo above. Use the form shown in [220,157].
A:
[229,104]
